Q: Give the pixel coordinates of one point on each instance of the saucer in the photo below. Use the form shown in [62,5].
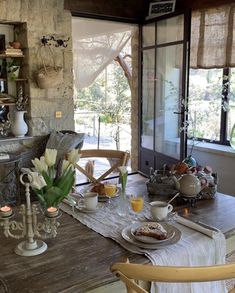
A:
[101,197]
[85,210]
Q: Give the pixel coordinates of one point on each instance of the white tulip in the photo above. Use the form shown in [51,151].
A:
[38,181]
[74,156]
[40,165]
[123,169]
[65,165]
[50,157]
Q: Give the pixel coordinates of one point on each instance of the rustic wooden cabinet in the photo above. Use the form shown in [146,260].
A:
[13,83]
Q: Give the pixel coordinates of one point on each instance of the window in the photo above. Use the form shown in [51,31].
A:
[211,104]
[212,74]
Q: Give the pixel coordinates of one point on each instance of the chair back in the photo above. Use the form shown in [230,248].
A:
[172,274]
[115,158]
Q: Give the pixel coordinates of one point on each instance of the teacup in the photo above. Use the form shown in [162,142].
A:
[89,201]
[160,209]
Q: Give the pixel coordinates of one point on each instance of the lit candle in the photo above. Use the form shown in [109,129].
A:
[5,211]
[52,212]
[186,212]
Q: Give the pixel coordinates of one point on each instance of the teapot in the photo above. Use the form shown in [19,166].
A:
[190,185]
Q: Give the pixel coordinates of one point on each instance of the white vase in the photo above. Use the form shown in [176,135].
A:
[19,127]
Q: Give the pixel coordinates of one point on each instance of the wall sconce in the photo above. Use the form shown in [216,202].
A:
[51,40]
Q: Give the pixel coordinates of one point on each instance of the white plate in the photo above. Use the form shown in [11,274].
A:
[85,210]
[146,239]
[126,234]
[101,197]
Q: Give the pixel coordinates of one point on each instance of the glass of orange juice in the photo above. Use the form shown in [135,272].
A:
[110,190]
[137,204]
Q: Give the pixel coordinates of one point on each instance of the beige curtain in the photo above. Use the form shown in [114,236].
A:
[213,38]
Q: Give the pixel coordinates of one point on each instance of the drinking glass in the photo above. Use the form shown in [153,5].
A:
[110,191]
[137,205]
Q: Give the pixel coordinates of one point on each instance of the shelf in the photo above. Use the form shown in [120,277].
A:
[20,79]
[4,56]
[16,80]
[12,138]
[7,104]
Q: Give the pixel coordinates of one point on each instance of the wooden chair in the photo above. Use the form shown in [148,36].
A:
[127,273]
[115,158]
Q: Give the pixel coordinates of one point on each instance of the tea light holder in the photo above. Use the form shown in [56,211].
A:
[5,211]
[29,226]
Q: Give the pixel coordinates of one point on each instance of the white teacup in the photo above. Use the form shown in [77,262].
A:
[160,209]
[89,201]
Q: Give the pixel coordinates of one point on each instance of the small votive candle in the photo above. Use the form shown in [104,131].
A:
[5,211]
[52,212]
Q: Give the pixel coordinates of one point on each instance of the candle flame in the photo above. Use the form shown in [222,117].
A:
[5,209]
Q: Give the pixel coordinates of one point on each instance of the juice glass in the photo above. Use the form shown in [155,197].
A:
[137,204]
[110,190]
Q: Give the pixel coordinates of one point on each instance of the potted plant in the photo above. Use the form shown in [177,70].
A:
[13,69]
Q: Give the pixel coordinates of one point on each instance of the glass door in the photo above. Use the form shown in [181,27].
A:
[164,54]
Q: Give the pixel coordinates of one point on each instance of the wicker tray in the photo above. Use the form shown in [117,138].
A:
[160,188]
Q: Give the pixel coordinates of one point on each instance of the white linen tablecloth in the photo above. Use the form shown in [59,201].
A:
[194,248]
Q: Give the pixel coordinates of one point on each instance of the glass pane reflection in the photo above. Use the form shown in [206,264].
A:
[149,35]
[148,99]
[168,95]
[170,30]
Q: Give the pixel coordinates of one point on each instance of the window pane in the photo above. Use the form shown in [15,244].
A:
[168,94]
[205,94]
[231,112]
[170,30]
[148,99]
[149,35]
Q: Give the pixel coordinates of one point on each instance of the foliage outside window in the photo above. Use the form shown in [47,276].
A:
[110,97]
[211,104]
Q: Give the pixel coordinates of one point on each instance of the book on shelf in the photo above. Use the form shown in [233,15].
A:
[12,51]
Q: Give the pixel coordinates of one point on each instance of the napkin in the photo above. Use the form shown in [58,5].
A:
[213,232]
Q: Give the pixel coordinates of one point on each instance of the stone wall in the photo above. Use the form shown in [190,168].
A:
[41,18]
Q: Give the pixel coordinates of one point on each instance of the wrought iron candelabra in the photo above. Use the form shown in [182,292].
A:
[29,226]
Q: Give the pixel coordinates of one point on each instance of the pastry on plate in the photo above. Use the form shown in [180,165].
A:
[154,230]
[99,188]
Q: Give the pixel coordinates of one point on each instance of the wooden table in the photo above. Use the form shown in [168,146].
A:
[78,259]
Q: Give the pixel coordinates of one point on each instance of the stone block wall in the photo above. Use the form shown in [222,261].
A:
[41,18]
[35,19]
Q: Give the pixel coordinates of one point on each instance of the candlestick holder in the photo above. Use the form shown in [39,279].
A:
[29,226]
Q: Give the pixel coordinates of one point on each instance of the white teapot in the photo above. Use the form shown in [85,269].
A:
[190,185]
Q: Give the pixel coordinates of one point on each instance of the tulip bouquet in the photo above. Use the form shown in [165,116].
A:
[52,182]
